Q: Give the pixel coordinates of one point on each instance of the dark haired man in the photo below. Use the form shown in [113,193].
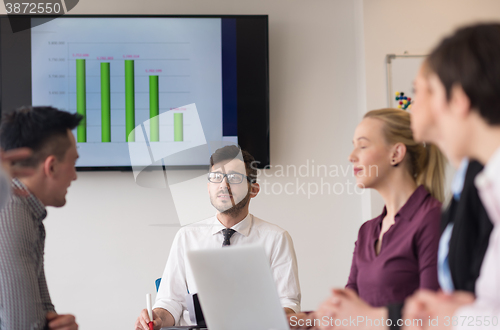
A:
[232,184]
[24,297]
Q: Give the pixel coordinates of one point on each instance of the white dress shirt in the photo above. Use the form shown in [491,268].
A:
[487,304]
[177,279]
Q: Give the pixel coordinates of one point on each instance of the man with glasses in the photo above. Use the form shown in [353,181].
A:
[232,183]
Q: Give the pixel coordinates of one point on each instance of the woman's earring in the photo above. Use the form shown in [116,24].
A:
[393,163]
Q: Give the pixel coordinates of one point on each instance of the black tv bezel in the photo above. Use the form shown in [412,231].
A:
[253,98]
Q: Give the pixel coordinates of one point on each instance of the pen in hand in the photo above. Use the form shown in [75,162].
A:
[150,311]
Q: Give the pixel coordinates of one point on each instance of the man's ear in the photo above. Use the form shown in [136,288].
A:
[254,189]
[459,101]
[49,166]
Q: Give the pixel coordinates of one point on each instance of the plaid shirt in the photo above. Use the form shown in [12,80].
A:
[24,297]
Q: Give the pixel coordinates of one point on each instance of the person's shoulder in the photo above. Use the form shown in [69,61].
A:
[16,207]
[261,225]
[16,222]
[429,213]
[430,206]
[368,227]
[369,224]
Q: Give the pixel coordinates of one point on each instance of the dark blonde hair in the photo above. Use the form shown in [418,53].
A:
[425,162]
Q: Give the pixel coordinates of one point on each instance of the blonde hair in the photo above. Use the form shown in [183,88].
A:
[425,162]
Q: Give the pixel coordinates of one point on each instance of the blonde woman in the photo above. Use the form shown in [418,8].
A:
[396,252]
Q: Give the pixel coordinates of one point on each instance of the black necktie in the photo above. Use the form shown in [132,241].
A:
[227,232]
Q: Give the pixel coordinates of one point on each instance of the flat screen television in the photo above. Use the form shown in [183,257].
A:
[177,87]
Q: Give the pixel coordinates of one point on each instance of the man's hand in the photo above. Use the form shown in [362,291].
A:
[9,158]
[425,304]
[143,321]
[61,322]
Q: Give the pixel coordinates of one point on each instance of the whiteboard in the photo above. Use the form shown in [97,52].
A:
[401,72]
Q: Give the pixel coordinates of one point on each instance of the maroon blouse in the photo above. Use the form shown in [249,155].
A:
[408,256]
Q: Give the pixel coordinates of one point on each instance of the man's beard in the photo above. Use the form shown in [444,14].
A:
[233,210]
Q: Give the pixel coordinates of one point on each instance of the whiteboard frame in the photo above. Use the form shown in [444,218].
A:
[388,61]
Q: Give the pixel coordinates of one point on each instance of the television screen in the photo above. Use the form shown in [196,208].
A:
[153,90]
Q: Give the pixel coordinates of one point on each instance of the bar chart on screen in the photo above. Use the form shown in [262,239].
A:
[120,80]
[118,86]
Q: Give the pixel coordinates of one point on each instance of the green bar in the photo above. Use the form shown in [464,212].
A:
[178,127]
[154,110]
[105,103]
[129,101]
[81,105]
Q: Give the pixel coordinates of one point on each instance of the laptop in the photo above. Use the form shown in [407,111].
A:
[236,289]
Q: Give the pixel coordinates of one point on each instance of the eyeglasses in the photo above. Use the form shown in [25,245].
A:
[234,178]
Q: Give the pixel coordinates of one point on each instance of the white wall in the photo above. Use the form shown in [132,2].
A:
[398,26]
[104,249]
